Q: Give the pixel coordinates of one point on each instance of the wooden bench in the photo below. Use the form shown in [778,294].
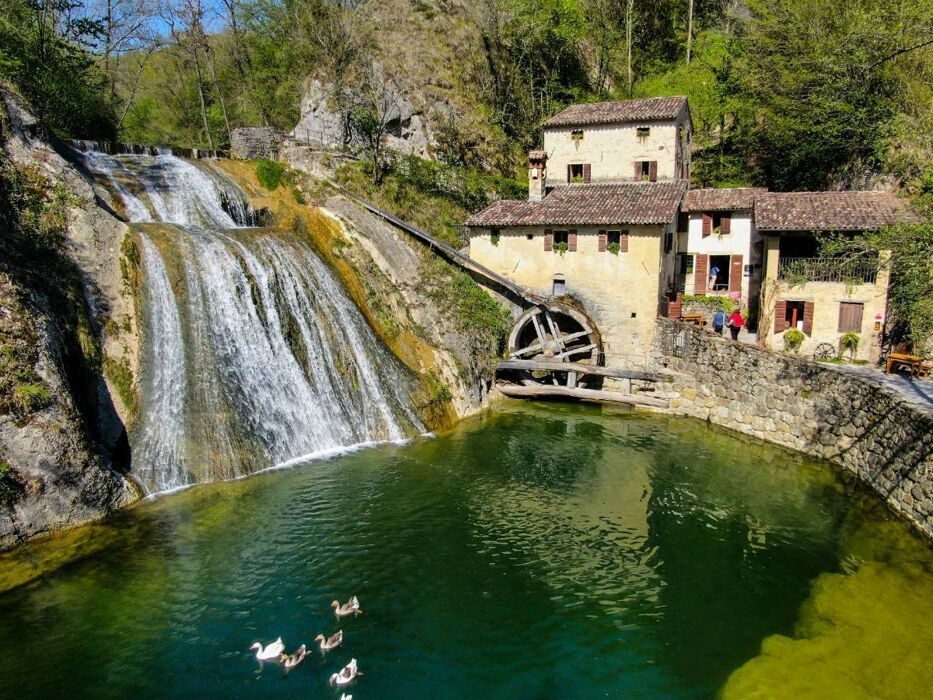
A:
[695,319]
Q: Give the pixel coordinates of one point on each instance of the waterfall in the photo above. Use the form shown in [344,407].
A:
[252,352]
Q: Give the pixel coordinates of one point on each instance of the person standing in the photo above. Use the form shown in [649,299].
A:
[736,321]
[713,274]
[719,320]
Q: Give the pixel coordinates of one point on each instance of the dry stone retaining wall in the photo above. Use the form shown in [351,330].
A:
[851,421]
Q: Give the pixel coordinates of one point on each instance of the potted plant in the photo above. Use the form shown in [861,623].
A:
[560,248]
[793,339]
[613,248]
[849,342]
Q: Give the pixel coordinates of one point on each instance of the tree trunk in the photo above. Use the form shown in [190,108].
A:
[207,129]
[220,94]
[689,28]
[629,8]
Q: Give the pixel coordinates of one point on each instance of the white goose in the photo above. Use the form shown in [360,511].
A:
[351,607]
[347,674]
[270,652]
[330,643]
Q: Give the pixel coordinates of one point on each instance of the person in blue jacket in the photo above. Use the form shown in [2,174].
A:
[719,321]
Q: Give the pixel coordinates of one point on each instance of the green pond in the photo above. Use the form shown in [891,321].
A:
[541,551]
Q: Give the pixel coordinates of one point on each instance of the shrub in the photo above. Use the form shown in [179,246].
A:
[849,342]
[613,248]
[793,339]
[724,303]
[11,488]
[269,173]
[31,397]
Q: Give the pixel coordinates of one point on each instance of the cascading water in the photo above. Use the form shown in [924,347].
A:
[252,352]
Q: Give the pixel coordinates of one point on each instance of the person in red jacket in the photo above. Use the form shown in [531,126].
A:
[735,322]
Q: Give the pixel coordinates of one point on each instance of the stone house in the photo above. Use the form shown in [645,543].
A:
[628,141]
[717,232]
[609,246]
[823,298]
[609,220]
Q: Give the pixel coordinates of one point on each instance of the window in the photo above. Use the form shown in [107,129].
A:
[616,241]
[850,317]
[793,316]
[578,172]
[559,287]
[494,236]
[530,236]
[577,135]
[646,170]
[643,132]
[668,242]
[688,264]
[717,222]
[561,237]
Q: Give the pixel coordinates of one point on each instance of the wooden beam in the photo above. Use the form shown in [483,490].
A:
[541,390]
[539,347]
[576,351]
[557,366]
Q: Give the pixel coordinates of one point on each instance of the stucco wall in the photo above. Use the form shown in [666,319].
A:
[739,241]
[611,150]
[802,405]
[620,292]
[826,297]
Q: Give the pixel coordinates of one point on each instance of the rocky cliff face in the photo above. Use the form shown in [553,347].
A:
[67,344]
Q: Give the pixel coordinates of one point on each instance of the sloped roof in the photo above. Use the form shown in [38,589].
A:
[589,205]
[643,110]
[722,198]
[828,211]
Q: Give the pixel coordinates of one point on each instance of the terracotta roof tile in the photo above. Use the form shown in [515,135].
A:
[650,109]
[589,205]
[828,211]
[722,198]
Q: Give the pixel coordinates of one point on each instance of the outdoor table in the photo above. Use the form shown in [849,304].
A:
[913,363]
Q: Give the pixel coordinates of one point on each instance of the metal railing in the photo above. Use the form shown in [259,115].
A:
[827,270]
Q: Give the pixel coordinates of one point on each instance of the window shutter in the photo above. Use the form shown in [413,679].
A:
[569,173]
[623,242]
[850,317]
[548,240]
[725,223]
[780,316]
[735,274]
[637,174]
[700,274]
[602,241]
[586,172]
[571,241]
[707,225]
[653,171]
[808,317]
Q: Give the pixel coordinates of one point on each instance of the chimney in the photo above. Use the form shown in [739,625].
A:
[537,174]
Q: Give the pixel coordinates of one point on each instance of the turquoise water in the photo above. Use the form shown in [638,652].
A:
[539,552]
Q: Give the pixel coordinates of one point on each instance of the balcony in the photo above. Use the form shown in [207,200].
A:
[802,270]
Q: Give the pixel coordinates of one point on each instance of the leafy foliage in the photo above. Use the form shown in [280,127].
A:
[910,299]
[793,339]
[269,173]
[42,53]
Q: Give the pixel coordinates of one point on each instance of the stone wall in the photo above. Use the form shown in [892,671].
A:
[249,143]
[818,410]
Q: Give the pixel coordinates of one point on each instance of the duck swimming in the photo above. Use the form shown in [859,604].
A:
[347,674]
[292,660]
[270,652]
[332,642]
[351,607]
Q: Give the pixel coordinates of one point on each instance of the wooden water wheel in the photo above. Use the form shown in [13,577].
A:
[554,336]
